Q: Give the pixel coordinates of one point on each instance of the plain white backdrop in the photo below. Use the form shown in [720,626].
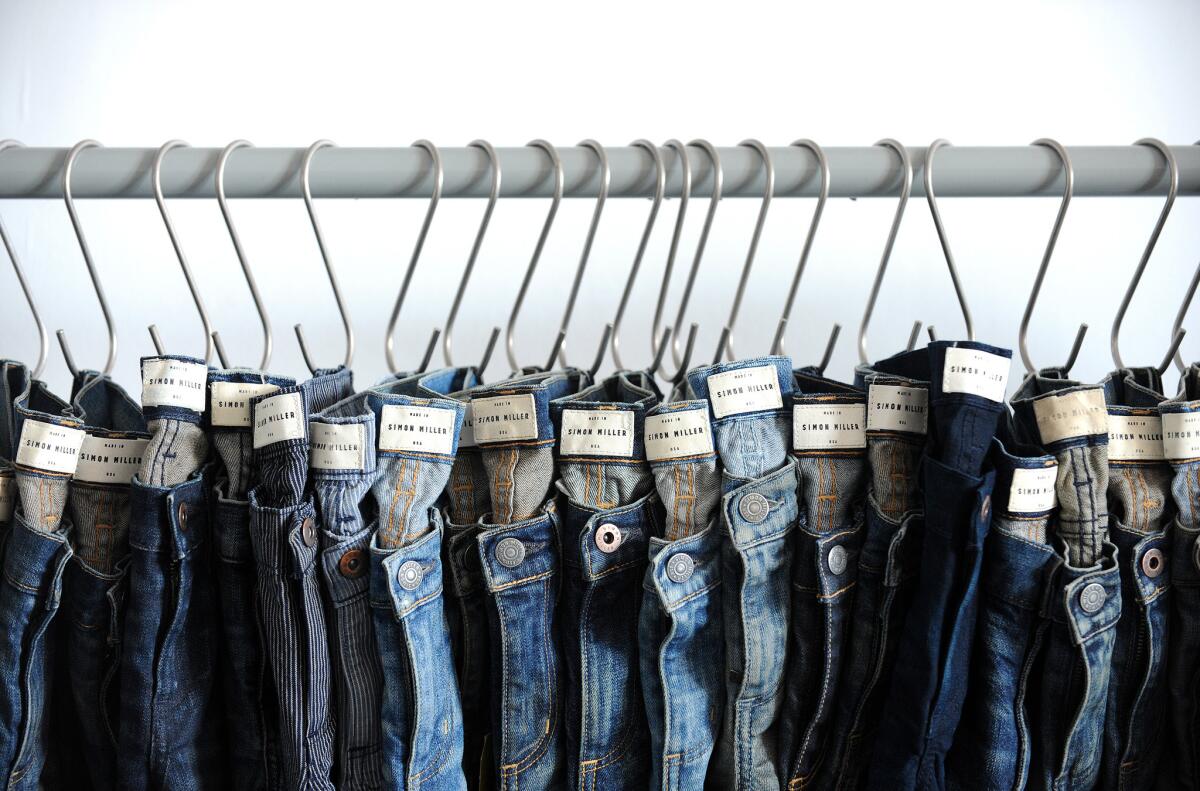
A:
[374,73]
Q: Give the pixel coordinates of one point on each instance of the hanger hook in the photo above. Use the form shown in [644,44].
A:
[1172,189]
[435,158]
[1183,309]
[906,176]
[247,273]
[556,166]
[18,270]
[660,190]
[714,201]
[941,232]
[69,200]
[685,192]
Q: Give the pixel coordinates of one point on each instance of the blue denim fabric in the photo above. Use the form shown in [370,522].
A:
[1140,509]
[827,542]
[608,517]
[759,506]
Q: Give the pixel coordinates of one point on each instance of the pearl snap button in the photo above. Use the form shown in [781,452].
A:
[837,560]
[608,537]
[410,574]
[680,567]
[1152,563]
[510,552]
[1092,597]
[754,508]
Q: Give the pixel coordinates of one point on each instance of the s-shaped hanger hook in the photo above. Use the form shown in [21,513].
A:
[718,175]
[43,336]
[941,232]
[668,337]
[1183,309]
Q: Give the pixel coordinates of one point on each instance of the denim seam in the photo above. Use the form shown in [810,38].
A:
[511,771]
[404,613]
[523,580]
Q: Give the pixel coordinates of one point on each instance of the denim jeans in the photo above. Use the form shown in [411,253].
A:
[681,642]
[169,733]
[284,536]
[752,429]
[966,401]
[608,516]
[829,442]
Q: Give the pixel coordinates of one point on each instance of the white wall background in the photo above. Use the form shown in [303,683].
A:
[374,73]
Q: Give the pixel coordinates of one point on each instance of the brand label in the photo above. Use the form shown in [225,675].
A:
[975,372]
[45,446]
[1135,438]
[174,383]
[8,497]
[1181,435]
[504,418]
[898,408]
[422,429]
[829,426]
[597,432]
[337,446]
[1032,490]
[745,390]
[230,404]
[677,435]
[108,460]
[466,437]
[1074,414]
[278,418]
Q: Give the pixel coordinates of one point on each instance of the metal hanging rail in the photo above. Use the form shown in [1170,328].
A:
[856,172]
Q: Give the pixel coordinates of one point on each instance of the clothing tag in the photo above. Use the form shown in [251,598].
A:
[745,390]
[423,429]
[278,418]
[1032,490]
[174,383]
[466,437]
[1181,435]
[975,372]
[231,401]
[1135,438]
[676,435]
[8,497]
[109,460]
[597,432]
[49,447]
[337,446]
[829,426]
[898,408]
[1075,414]
[504,418]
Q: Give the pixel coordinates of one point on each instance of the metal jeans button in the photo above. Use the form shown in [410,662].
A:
[680,567]
[608,538]
[837,560]
[410,574]
[1153,563]
[182,517]
[754,508]
[510,552]
[308,531]
[352,564]
[1092,597]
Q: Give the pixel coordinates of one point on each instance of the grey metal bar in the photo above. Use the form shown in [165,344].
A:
[858,171]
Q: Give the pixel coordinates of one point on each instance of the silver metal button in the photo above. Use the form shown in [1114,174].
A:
[1092,597]
[410,575]
[608,537]
[680,567]
[837,559]
[308,531]
[754,508]
[510,552]
[1153,563]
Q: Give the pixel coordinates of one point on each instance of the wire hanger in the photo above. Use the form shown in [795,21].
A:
[306,191]
[435,158]
[777,346]
[660,189]
[43,336]
[668,337]
[714,201]
[156,183]
[941,232]
[493,196]
[69,200]
[259,305]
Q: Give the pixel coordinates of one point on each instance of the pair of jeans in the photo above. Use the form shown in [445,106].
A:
[284,537]
[752,429]
[966,402]
[829,442]
[681,642]
[609,513]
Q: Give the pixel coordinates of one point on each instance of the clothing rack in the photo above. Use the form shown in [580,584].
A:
[406,172]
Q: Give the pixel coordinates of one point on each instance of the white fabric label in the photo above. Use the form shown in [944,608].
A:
[8,497]
[174,383]
[466,437]
[829,426]
[1181,435]
[745,390]
[48,447]
[278,418]
[230,404]
[1032,490]
[422,429]
[1135,438]
[677,435]
[1075,414]
[504,418]
[898,408]
[975,372]
[597,432]
[109,460]
[337,446]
